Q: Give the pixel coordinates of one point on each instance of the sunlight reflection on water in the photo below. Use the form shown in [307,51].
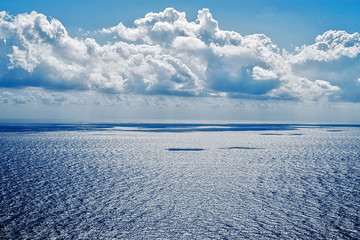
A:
[112,184]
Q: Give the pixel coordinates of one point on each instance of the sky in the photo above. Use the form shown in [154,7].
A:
[260,60]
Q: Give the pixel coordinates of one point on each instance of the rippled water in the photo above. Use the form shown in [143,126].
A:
[180,182]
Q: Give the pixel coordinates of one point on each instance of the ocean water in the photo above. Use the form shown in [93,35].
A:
[179,181]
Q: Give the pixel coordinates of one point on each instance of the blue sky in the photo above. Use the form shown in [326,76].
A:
[180,60]
[294,22]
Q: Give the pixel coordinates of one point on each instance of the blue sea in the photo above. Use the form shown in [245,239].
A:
[179,181]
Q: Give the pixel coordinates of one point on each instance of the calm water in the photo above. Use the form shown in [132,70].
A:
[179,181]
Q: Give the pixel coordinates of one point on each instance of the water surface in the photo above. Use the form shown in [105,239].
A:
[179,181]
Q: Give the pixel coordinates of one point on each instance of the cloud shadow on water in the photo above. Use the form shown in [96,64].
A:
[241,148]
[272,134]
[185,149]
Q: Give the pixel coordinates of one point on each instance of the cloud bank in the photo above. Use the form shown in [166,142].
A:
[165,54]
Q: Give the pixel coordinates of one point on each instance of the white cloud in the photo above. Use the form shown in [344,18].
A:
[165,54]
[188,43]
[330,46]
[258,73]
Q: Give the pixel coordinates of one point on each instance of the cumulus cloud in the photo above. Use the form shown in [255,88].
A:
[7,97]
[165,54]
[334,57]
[330,46]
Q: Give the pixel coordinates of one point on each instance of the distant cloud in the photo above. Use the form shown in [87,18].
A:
[13,98]
[164,54]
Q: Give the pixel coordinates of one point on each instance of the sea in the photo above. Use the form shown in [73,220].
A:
[179,181]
